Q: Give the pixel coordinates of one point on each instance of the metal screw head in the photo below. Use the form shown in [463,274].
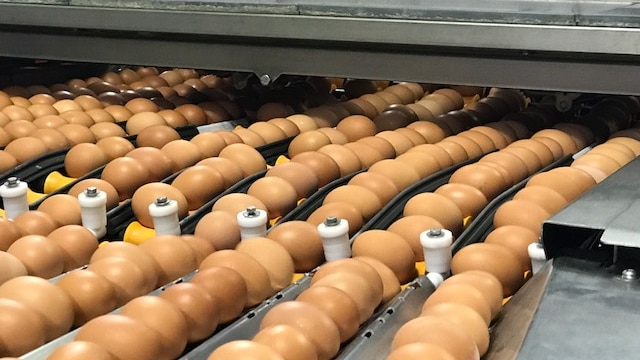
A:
[91,192]
[162,201]
[332,221]
[265,80]
[629,275]
[435,233]
[250,212]
[13,181]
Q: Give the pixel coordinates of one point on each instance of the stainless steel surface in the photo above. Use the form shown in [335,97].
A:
[548,45]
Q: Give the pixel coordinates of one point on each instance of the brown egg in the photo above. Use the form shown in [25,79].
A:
[200,310]
[38,110]
[471,148]
[287,341]
[380,185]
[19,128]
[355,127]
[83,158]
[148,193]
[466,318]
[114,146]
[77,134]
[414,136]
[209,143]
[249,137]
[365,200]
[81,186]
[390,283]
[337,304]
[581,134]
[566,142]
[488,284]
[115,332]
[581,178]
[276,194]
[308,141]
[193,113]
[424,164]
[346,159]
[630,143]
[199,184]
[100,116]
[431,132]
[302,241]
[227,287]
[303,122]
[40,295]
[389,248]
[220,229]
[236,202]
[9,233]
[78,117]
[172,255]
[410,227]
[523,213]
[49,122]
[287,126]
[173,118]
[245,349]
[367,108]
[171,326]
[119,112]
[272,110]
[309,319]
[126,175]
[419,350]
[253,273]
[469,200]
[7,161]
[620,153]
[543,153]
[200,246]
[126,277]
[456,151]
[340,210]
[22,328]
[300,176]
[516,239]
[139,121]
[35,223]
[248,158]
[547,198]
[42,98]
[599,166]
[400,143]
[53,205]
[326,116]
[91,295]
[381,145]
[561,184]
[26,148]
[16,113]
[267,131]
[182,152]
[140,105]
[131,252]
[78,350]
[440,154]
[273,257]
[40,256]
[400,173]
[439,331]
[325,168]
[461,294]
[52,138]
[513,165]
[335,136]
[10,267]
[156,136]
[483,177]
[438,207]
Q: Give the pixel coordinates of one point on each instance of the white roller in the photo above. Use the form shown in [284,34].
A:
[93,209]
[335,238]
[537,255]
[253,223]
[436,245]
[165,216]
[14,197]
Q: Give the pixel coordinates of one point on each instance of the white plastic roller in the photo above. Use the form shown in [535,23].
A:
[253,223]
[164,213]
[537,255]
[335,238]
[436,245]
[93,210]
[14,197]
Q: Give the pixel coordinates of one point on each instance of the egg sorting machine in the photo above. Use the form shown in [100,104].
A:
[581,304]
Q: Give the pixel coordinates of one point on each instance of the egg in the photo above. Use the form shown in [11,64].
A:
[516,239]
[300,176]
[267,131]
[172,255]
[126,276]
[302,241]
[91,295]
[443,158]
[237,202]
[461,294]
[410,228]
[171,326]
[515,166]
[156,136]
[248,158]
[355,127]
[140,105]
[423,114]
[77,134]
[469,200]
[337,304]
[599,166]
[438,331]
[10,267]
[424,164]
[273,257]
[346,159]
[83,185]
[303,122]
[380,244]
[22,328]
[276,194]
[400,143]
[199,309]
[365,295]
[52,138]
[26,148]
[52,304]
[78,350]
[78,117]
[381,145]
[147,194]
[340,210]
[114,146]
[253,273]
[560,184]
[488,284]
[271,110]
[77,244]
[484,178]
[199,184]
[115,333]
[244,349]
[209,143]
[126,175]
[220,228]
[380,185]
[390,283]
[466,318]
[249,137]
[227,287]
[182,152]
[620,153]
[365,200]
[35,222]
[630,143]
[308,141]
[566,142]
[367,108]
[400,173]
[312,321]
[438,207]
[416,351]
[230,171]
[83,158]
[547,198]
[431,132]
[494,259]
[287,341]
[523,213]
[582,180]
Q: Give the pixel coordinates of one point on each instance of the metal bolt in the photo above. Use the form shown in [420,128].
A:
[162,201]
[91,192]
[251,212]
[12,182]
[331,221]
[629,275]
[265,80]
[435,233]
